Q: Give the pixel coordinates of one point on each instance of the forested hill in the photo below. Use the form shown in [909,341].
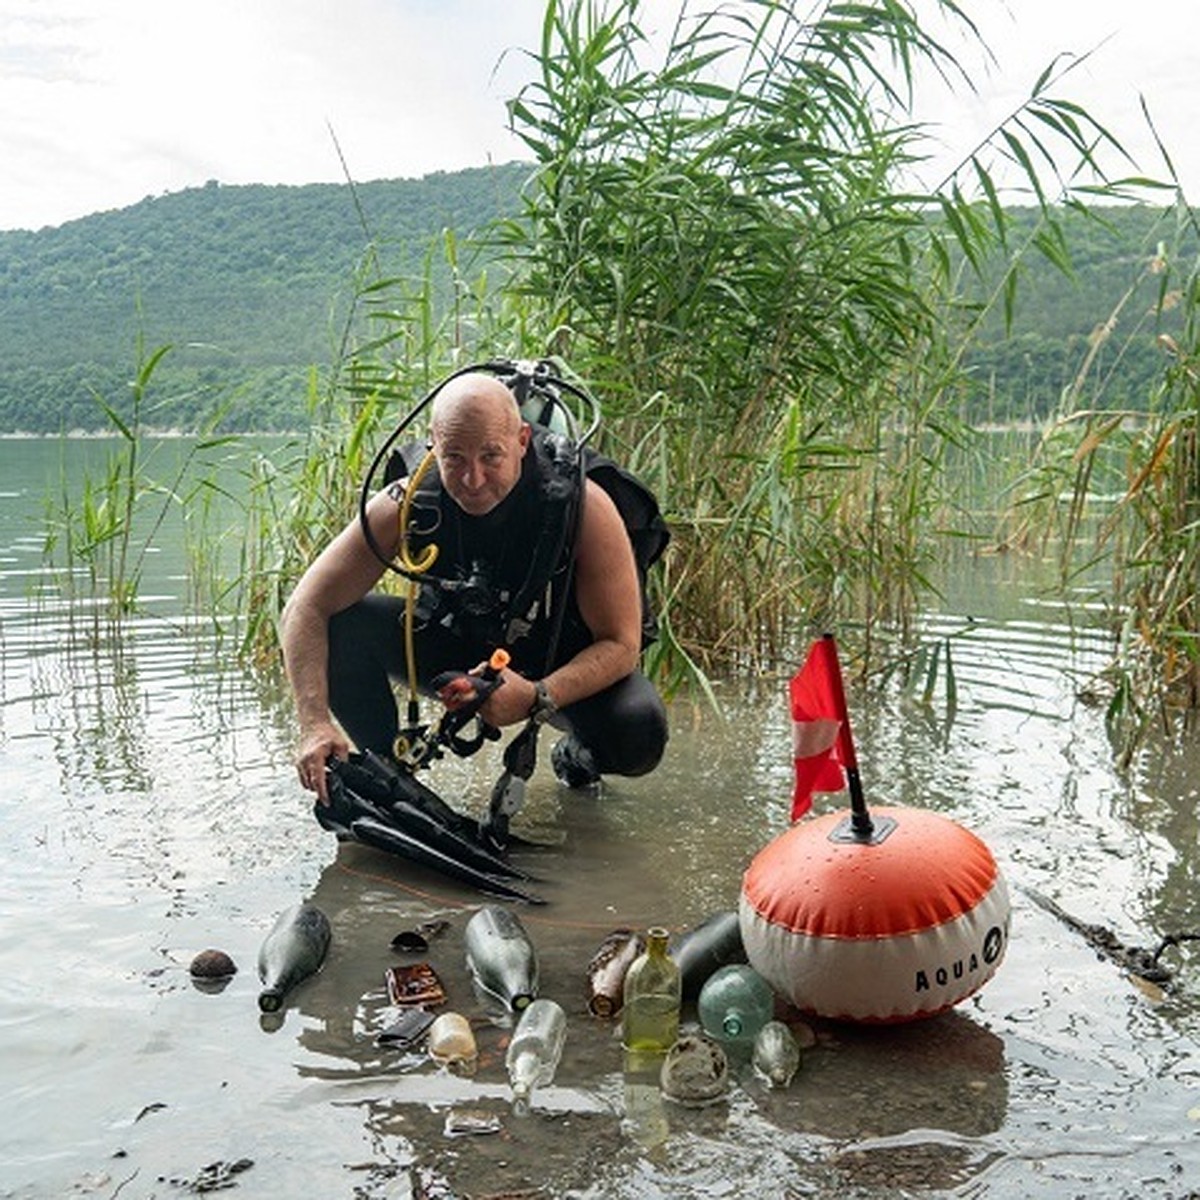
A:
[249,284]
[1121,292]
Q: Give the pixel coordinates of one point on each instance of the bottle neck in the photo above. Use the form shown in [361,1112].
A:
[656,942]
[523,1072]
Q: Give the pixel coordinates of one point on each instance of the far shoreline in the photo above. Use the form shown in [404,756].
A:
[1025,426]
[98,435]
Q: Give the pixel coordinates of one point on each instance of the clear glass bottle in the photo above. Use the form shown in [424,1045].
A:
[735,1003]
[776,1054]
[535,1049]
[652,996]
[451,1043]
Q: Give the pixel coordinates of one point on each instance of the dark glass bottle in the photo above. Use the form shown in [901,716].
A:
[501,957]
[698,952]
[292,951]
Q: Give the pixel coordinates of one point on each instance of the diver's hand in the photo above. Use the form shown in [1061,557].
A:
[510,702]
[317,745]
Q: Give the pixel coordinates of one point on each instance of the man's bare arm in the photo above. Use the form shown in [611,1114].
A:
[341,575]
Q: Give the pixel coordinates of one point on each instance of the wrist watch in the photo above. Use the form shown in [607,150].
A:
[543,707]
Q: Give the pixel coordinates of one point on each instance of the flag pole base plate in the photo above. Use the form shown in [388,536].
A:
[845,833]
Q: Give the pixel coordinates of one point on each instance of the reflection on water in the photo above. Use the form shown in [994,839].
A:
[150,812]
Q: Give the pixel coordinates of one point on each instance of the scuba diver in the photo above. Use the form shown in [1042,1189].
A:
[525,554]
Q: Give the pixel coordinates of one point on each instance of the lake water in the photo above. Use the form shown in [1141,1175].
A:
[150,811]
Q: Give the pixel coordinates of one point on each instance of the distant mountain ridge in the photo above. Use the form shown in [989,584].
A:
[246,281]
[250,283]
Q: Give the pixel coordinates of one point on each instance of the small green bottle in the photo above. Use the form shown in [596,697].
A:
[650,1014]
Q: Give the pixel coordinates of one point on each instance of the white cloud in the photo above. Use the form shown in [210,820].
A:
[1122,52]
[110,103]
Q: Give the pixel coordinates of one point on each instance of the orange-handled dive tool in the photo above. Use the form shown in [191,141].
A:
[464,694]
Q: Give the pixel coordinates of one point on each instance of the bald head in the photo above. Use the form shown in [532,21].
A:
[479,440]
[474,399]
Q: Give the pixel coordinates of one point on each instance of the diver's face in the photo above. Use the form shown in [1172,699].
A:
[479,456]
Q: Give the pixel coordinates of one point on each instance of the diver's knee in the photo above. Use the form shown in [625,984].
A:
[637,744]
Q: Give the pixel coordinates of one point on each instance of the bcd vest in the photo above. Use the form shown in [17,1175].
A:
[501,578]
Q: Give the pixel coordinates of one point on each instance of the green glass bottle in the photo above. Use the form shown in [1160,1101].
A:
[652,995]
[735,1003]
[293,950]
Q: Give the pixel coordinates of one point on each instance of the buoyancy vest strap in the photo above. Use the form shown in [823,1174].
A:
[561,486]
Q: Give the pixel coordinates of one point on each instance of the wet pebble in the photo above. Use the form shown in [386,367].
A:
[212,964]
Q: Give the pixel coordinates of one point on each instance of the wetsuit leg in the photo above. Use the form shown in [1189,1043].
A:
[624,727]
[366,653]
[366,650]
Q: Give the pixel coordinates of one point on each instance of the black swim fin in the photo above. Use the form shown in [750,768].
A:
[373,803]
[372,832]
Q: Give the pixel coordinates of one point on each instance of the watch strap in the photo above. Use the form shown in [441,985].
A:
[543,706]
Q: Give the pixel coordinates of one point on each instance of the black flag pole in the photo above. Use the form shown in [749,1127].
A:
[861,826]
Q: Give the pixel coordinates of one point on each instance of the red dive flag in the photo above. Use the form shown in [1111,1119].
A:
[821,742]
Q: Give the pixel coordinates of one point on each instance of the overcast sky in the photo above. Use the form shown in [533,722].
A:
[104,102]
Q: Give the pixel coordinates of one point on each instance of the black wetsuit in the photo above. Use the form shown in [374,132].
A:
[624,727]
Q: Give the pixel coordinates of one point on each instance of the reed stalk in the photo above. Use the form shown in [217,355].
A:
[1116,492]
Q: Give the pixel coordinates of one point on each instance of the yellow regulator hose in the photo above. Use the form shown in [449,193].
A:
[413,566]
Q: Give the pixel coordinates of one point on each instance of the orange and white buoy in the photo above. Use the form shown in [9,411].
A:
[890,927]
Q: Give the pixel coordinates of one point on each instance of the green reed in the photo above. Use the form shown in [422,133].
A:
[1116,492]
[104,524]
[1153,534]
[717,238]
